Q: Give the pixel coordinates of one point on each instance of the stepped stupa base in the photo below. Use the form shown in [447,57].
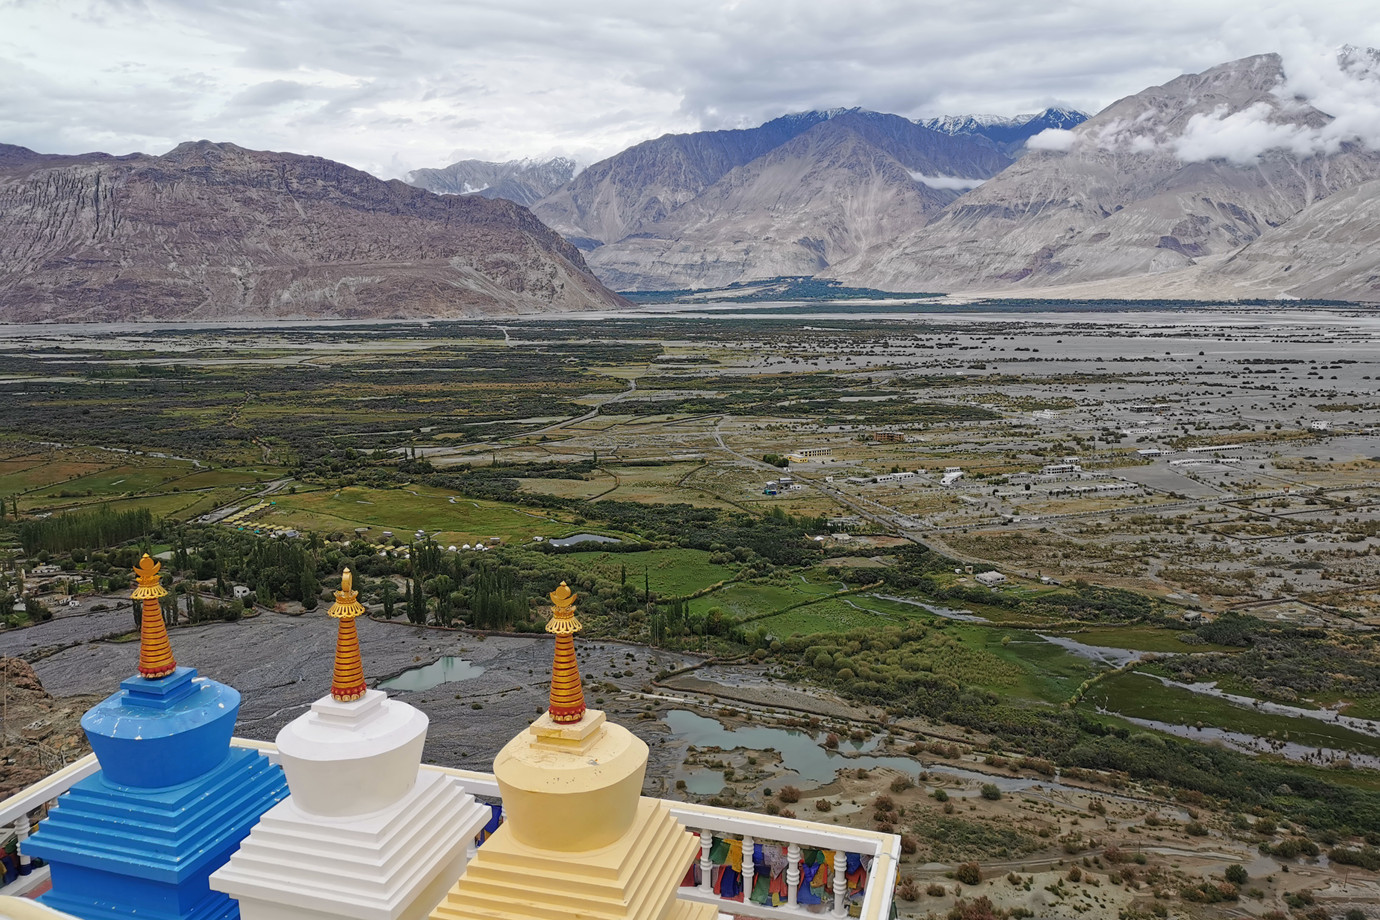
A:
[138,852]
[364,835]
[634,878]
[393,864]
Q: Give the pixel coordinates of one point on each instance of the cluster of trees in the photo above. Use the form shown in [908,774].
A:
[1281,662]
[87,529]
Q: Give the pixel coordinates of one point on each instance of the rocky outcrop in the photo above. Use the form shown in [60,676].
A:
[39,734]
[214,231]
[520,181]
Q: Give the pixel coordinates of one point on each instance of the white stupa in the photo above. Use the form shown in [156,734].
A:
[364,834]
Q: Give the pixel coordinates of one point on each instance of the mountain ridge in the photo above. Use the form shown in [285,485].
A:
[1121,200]
[524,181]
[216,231]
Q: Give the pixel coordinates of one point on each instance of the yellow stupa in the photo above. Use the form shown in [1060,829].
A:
[579,841]
[155,652]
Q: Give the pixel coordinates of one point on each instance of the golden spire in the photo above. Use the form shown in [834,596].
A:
[155,654]
[347,680]
[567,696]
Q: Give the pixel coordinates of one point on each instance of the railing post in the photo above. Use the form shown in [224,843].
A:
[21,833]
[706,864]
[747,868]
[793,875]
[840,881]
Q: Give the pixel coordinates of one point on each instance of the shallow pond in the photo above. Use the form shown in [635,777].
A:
[445,670]
[805,755]
[584,538]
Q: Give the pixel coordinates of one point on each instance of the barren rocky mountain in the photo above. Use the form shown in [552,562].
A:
[522,181]
[851,181]
[645,183]
[214,231]
[1330,249]
[1129,198]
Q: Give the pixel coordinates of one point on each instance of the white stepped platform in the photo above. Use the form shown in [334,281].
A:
[395,864]
[365,834]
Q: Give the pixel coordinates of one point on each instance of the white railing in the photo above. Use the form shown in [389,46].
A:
[884,850]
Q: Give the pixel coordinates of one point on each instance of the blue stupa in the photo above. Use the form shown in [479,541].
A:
[172,800]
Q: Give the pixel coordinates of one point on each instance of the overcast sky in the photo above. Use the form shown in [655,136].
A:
[391,85]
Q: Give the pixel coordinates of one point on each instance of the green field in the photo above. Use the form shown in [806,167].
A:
[742,600]
[1143,697]
[227,477]
[1050,673]
[1138,638]
[408,509]
[670,572]
[123,480]
[35,473]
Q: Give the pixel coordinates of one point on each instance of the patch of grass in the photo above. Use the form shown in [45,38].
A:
[44,473]
[1140,638]
[746,599]
[950,839]
[670,572]
[1144,697]
[408,509]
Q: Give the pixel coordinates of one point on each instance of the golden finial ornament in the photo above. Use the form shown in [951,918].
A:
[567,694]
[155,652]
[347,678]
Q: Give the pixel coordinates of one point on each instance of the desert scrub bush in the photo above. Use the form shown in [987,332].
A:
[991,791]
[968,873]
[789,794]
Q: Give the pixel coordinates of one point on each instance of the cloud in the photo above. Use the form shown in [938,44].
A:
[1326,100]
[411,83]
[1238,137]
[1056,139]
[950,183]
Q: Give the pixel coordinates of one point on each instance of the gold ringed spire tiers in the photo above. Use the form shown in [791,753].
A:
[567,704]
[347,677]
[155,652]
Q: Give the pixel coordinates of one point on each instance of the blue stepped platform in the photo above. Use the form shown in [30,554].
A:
[171,804]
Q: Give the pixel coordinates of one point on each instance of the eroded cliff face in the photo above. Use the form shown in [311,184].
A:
[1331,250]
[214,231]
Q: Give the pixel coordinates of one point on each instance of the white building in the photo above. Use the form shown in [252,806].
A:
[990,579]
